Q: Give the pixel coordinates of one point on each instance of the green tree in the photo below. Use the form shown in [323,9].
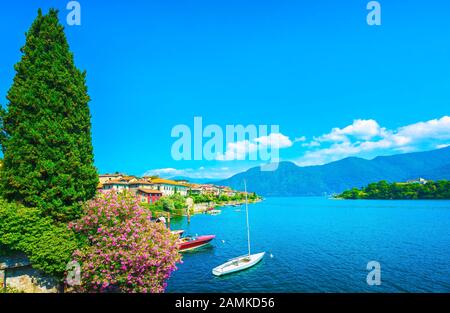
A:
[46,129]
[167,204]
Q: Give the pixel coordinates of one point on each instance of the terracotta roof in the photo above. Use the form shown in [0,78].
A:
[115,182]
[167,182]
[149,191]
[140,182]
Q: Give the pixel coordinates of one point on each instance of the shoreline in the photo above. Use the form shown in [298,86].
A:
[201,208]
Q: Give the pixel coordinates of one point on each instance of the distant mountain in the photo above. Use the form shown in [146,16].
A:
[438,173]
[292,180]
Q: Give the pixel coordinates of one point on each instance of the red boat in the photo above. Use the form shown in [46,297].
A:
[191,243]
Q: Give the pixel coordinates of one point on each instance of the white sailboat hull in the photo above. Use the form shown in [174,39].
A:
[238,264]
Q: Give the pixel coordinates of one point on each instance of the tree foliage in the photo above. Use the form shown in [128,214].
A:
[223,198]
[174,204]
[46,129]
[397,191]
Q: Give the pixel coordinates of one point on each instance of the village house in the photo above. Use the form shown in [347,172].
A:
[195,189]
[227,191]
[116,185]
[109,177]
[150,189]
[210,189]
[148,195]
[420,180]
[169,187]
[135,184]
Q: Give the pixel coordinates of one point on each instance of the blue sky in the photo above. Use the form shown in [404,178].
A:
[335,86]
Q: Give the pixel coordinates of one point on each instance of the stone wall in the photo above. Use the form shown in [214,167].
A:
[16,272]
[202,207]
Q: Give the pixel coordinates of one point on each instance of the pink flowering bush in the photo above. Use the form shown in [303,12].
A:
[126,252]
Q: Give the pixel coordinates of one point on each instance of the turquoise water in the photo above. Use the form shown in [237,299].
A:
[323,245]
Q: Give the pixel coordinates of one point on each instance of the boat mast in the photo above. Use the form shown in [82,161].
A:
[246,210]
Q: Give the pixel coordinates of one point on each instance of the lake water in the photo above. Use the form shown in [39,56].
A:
[322,245]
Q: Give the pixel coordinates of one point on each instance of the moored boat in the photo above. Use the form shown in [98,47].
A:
[242,262]
[191,243]
[238,264]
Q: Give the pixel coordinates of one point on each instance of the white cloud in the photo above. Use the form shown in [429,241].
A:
[240,149]
[201,172]
[274,140]
[161,171]
[237,150]
[367,138]
[437,129]
[359,129]
[443,146]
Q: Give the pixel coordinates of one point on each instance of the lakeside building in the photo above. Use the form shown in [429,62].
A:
[135,184]
[210,189]
[170,187]
[139,186]
[149,195]
[151,189]
[224,190]
[419,180]
[116,185]
[103,178]
[195,189]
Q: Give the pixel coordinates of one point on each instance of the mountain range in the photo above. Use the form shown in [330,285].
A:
[335,177]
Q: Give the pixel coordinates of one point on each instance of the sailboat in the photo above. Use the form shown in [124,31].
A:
[242,262]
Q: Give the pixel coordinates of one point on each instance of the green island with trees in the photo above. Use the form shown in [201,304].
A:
[383,190]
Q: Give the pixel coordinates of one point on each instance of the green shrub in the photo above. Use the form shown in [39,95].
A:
[49,246]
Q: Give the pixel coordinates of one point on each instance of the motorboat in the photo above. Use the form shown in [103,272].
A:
[195,242]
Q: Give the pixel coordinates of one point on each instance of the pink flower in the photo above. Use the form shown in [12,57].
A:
[127,251]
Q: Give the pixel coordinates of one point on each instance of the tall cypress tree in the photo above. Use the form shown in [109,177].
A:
[46,129]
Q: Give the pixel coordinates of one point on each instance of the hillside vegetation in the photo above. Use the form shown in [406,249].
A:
[400,191]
